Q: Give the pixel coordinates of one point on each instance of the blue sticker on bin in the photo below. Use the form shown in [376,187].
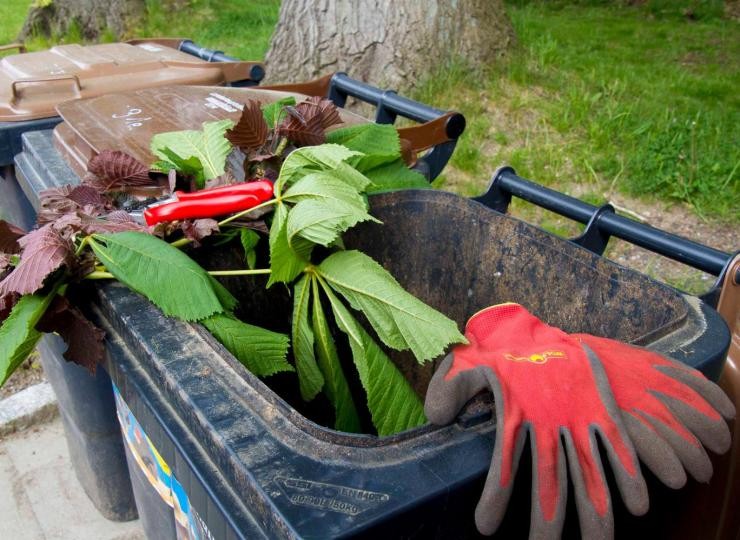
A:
[188,524]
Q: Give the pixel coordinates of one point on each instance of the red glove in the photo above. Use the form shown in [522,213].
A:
[549,385]
[665,407]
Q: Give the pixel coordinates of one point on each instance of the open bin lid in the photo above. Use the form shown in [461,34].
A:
[127,122]
[32,84]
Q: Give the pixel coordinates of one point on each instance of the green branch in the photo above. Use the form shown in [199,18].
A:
[261,271]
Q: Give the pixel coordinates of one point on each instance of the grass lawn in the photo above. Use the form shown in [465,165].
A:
[596,98]
[615,99]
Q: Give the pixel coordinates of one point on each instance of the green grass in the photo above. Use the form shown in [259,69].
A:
[11,22]
[240,29]
[639,100]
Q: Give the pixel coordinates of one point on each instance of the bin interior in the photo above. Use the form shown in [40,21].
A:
[459,257]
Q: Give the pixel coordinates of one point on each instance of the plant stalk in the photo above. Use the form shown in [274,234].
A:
[97,274]
[259,271]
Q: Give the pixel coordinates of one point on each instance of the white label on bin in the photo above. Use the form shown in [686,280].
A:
[132,118]
[213,103]
[150,48]
[228,101]
[323,496]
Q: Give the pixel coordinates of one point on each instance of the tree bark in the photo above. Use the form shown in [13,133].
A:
[387,42]
[92,18]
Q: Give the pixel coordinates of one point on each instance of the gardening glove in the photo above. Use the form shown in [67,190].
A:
[549,385]
[667,408]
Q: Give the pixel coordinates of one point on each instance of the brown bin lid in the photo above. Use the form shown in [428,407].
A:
[32,84]
[127,122]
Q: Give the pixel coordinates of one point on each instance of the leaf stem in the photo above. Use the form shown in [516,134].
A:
[185,241]
[82,245]
[99,275]
[244,212]
[259,271]
[281,146]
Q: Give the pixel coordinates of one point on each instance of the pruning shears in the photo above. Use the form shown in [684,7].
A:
[208,203]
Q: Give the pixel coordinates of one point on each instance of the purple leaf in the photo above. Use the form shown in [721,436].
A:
[113,170]
[57,202]
[84,340]
[199,229]
[116,221]
[44,251]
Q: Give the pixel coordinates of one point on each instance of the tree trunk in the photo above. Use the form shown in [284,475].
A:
[387,42]
[91,18]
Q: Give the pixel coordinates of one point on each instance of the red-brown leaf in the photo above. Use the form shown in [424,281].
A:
[113,170]
[250,132]
[322,107]
[198,229]
[302,130]
[44,251]
[225,179]
[88,196]
[9,235]
[58,202]
[84,339]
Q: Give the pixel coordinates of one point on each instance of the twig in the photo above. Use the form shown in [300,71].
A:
[629,212]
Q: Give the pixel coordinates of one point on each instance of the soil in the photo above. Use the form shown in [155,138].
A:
[27,374]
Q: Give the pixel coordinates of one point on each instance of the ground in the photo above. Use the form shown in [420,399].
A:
[29,373]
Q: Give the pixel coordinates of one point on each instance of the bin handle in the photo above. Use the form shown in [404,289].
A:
[10,46]
[236,71]
[170,43]
[447,127]
[439,130]
[74,78]
[603,222]
[316,87]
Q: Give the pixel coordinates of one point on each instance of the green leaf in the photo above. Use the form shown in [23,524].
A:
[190,167]
[336,387]
[393,404]
[250,239]
[18,335]
[208,145]
[310,159]
[325,186]
[275,110]
[163,165]
[162,273]
[286,261]
[310,379]
[222,293]
[395,175]
[322,221]
[261,351]
[379,143]
[401,320]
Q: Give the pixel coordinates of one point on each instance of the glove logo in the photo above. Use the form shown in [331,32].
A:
[537,358]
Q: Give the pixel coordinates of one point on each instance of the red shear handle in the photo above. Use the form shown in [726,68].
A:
[262,189]
[200,208]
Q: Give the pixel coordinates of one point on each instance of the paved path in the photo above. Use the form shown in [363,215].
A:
[40,497]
